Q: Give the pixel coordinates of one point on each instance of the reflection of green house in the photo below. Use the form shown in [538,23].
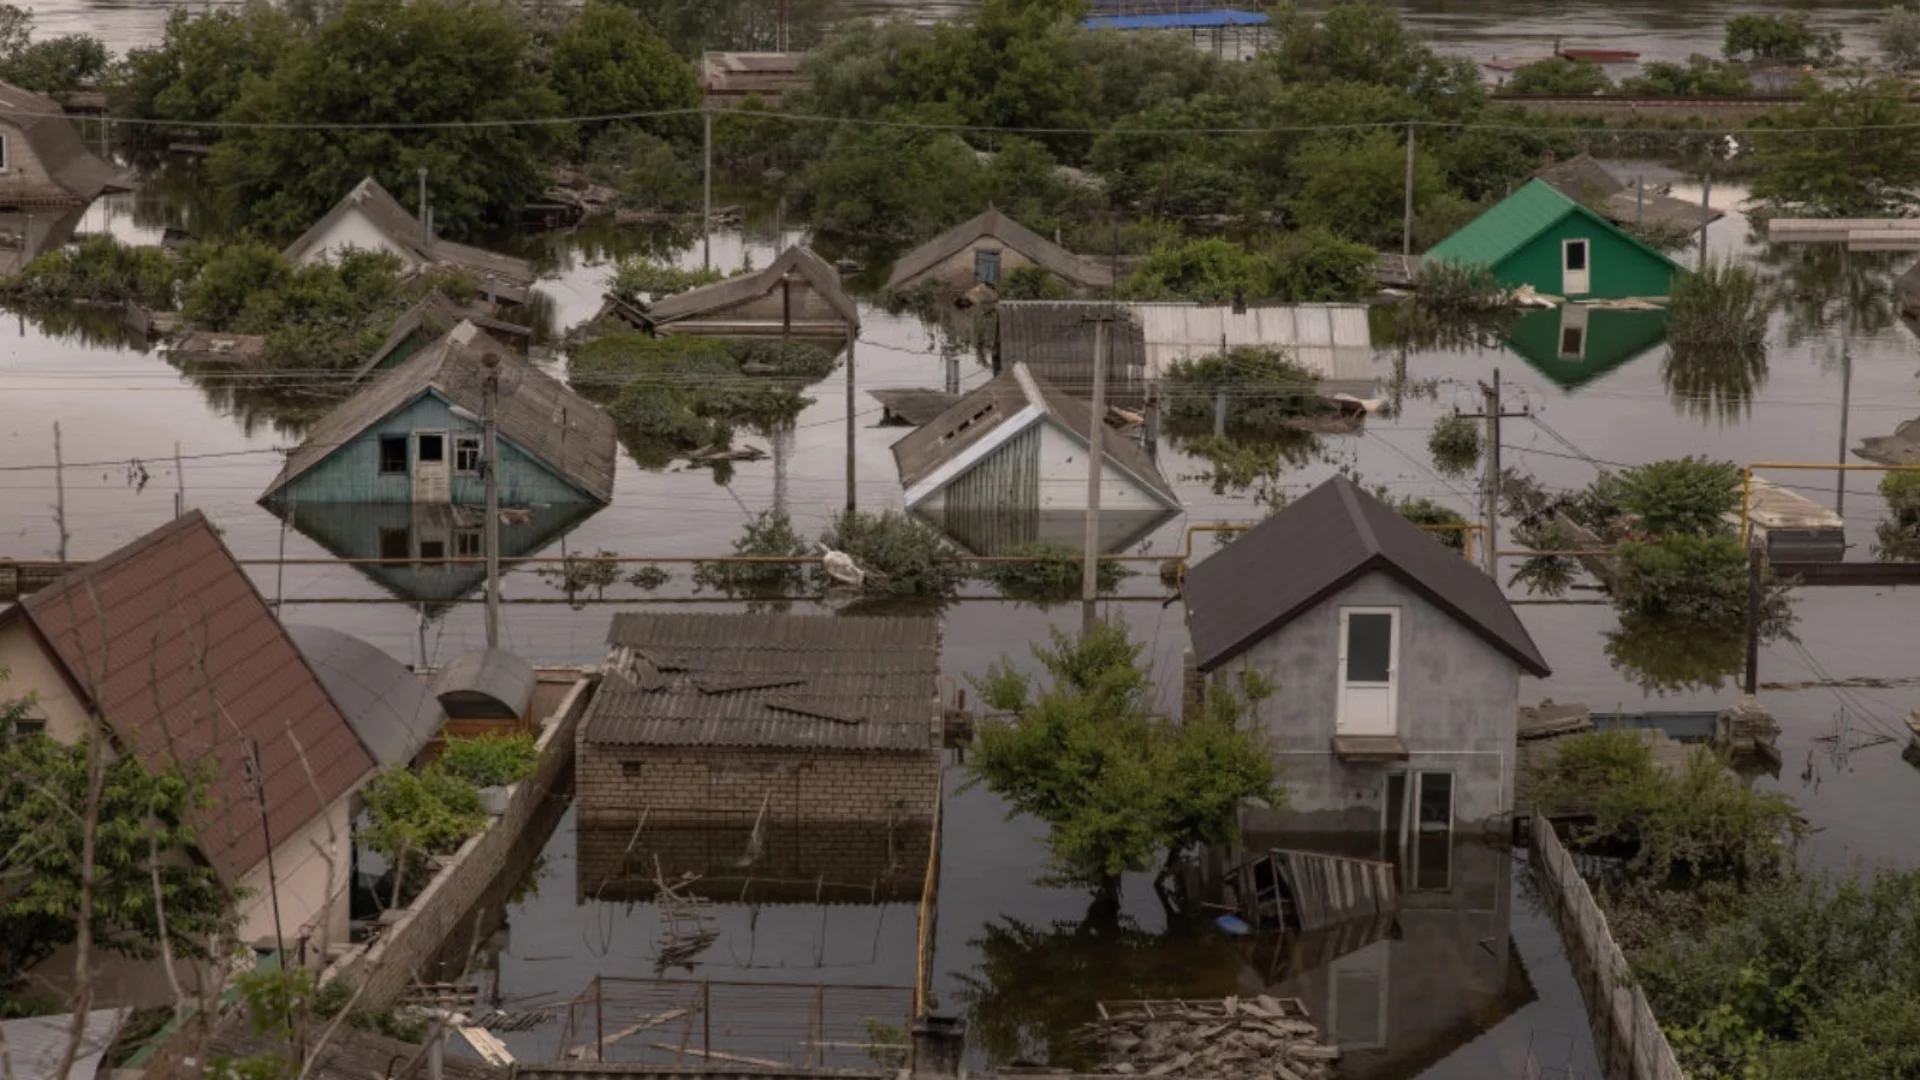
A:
[1573,344]
[1538,236]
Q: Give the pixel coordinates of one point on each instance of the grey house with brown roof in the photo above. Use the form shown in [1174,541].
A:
[42,158]
[1396,664]
[715,718]
[984,250]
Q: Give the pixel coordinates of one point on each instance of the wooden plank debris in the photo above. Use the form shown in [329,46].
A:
[1220,1039]
[1307,890]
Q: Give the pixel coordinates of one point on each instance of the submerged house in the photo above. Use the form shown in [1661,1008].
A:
[168,639]
[1398,664]
[371,219]
[414,436]
[710,717]
[1540,237]
[433,315]
[1585,180]
[43,161]
[1014,451]
[1573,344]
[983,250]
[797,295]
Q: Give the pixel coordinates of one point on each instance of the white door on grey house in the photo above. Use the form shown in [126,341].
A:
[430,478]
[1369,670]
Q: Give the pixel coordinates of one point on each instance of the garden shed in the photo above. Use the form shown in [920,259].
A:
[1539,237]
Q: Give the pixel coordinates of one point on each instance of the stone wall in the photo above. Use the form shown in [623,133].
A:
[410,944]
[673,784]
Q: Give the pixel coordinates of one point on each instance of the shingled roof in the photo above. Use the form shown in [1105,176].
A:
[403,230]
[992,223]
[788,681]
[940,451]
[1318,545]
[171,642]
[68,162]
[536,412]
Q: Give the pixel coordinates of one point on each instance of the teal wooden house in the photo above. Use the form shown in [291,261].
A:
[414,436]
[1538,236]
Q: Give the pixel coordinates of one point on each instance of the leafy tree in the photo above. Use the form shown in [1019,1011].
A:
[607,61]
[319,316]
[881,185]
[1723,304]
[195,73]
[1698,580]
[1785,38]
[384,62]
[490,760]
[1116,784]
[648,171]
[903,555]
[98,268]
[1181,174]
[1314,266]
[1208,270]
[1364,41]
[1427,512]
[636,277]
[56,65]
[1899,34]
[1356,187]
[1558,75]
[1053,576]
[1690,496]
[1700,76]
[769,535]
[1859,159]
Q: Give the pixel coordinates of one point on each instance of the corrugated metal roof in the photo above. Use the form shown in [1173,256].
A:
[388,705]
[34,1045]
[789,681]
[485,684]
[993,223]
[536,412]
[1317,545]
[170,638]
[1507,226]
[403,230]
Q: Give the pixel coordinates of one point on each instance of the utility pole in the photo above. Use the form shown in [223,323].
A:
[853,333]
[1490,489]
[1706,210]
[489,452]
[59,493]
[426,224]
[1096,442]
[706,198]
[180,483]
[1406,226]
[1756,558]
[1846,380]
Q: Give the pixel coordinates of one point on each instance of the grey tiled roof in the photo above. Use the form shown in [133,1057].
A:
[62,154]
[788,681]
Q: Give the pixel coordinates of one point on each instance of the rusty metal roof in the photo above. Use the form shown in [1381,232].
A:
[1316,546]
[786,681]
[171,640]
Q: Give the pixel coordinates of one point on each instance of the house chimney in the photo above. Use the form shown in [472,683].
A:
[939,1046]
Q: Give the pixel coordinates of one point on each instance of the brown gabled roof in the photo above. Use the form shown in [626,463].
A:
[62,154]
[169,638]
[1316,546]
[794,681]
[536,413]
[403,230]
[1002,408]
[992,223]
[725,294]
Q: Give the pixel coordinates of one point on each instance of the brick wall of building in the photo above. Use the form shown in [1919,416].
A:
[616,784]
[786,861]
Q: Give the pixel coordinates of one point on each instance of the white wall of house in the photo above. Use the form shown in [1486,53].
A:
[300,873]
[1063,476]
[31,671]
[353,230]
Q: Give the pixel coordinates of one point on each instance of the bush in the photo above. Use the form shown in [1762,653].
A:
[1723,304]
[1055,575]
[1455,445]
[1902,492]
[1451,288]
[602,368]
[1265,386]
[646,170]
[769,535]
[1559,75]
[1313,266]
[98,269]
[1899,35]
[1700,76]
[1784,38]
[1207,271]
[902,555]
[490,760]
[430,812]
[637,277]
[785,359]
[1690,496]
[1030,281]
[1699,580]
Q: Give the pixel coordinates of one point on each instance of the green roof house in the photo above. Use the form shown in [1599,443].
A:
[1540,237]
[1574,344]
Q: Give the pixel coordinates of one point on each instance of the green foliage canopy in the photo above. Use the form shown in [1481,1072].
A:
[1558,75]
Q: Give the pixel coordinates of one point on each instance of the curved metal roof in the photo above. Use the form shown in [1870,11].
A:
[385,704]
[485,684]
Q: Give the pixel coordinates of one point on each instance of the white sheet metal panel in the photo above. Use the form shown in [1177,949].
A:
[1331,340]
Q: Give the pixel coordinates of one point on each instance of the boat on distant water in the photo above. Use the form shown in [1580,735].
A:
[1596,56]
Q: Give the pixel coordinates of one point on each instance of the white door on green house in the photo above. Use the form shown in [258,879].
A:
[1573,331]
[1576,278]
[1369,660]
[430,479]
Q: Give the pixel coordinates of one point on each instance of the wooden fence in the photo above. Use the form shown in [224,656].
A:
[1626,1037]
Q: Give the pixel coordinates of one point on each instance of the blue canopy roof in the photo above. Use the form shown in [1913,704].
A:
[1192,20]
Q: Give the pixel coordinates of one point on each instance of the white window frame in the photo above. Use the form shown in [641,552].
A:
[1393,667]
[1586,250]
[466,441]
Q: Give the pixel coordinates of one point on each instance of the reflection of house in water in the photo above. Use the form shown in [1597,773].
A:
[426,532]
[1574,344]
[1007,464]
[764,860]
[26,233]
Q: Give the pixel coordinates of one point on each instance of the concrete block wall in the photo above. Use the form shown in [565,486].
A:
[616,784]
[387,966]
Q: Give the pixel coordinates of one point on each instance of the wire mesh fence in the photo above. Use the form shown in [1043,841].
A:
[765,1025]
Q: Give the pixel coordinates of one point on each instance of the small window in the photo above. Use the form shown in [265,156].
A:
[393,454]
[433,448]
[1576,252]
[1573,342]
[986,267]
[1436,802]
[630,769]
[466,454]
[466,544]
[26,727]
[393,543]
[432,552]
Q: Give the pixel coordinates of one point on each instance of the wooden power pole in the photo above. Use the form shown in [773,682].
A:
[490,452]
[1490,488]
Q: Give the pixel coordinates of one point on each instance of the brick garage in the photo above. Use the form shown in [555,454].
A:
[820,719]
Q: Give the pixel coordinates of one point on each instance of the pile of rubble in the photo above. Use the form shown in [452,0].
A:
[1227,1039]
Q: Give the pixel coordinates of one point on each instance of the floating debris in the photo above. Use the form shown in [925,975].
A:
[1224,1039]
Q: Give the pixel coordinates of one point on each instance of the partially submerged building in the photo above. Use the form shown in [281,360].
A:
[168,640]
[798,295]
[1015,450]
[427,320]
[1055,340]
[371,219]
[710,717]
[1398,664]
[730,78]
[987,248]
[43,161]
[414,436]
[1585,180]
[1539,237]
[1573,344]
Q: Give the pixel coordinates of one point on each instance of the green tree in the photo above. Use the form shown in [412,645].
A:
[1313,266]
[1859,158]
[1117,785]
[1157,162]
[195,73]
[385,62]
[1899,35]
[1364,41]
[1208,270]
[1700,76]
[885,185]
[1357,187]
[1690,496]
[607,61]
[1558,75]
[1785,38]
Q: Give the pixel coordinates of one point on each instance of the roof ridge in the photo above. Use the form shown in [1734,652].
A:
[1368,539]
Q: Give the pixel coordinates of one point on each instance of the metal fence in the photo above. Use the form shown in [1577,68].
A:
[727,1024]
[1626,1037]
